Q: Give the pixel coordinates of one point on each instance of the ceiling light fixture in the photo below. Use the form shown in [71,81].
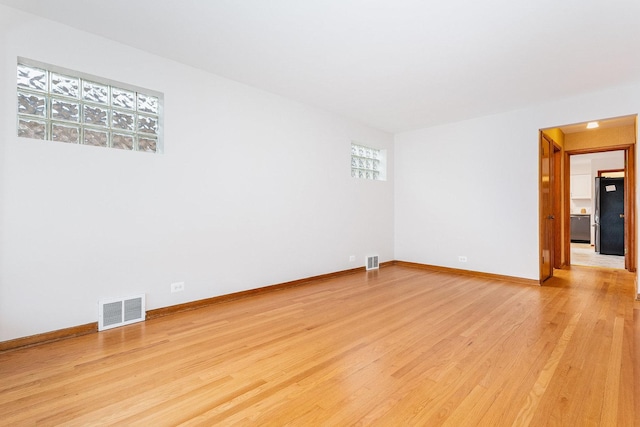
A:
[592,125]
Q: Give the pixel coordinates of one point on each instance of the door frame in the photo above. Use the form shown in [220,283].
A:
[558,209]
[630,232]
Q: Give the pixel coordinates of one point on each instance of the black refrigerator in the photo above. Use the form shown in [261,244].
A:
[609,216]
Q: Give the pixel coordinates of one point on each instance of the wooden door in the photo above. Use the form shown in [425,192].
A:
[546,208]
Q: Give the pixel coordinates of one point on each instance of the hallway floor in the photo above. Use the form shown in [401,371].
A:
[585,254]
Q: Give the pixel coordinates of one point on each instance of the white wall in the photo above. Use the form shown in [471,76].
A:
[591,164]
[252,190]
[471,188]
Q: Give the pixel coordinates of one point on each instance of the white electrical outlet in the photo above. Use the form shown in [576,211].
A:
[352,258]
[177,287]
[462,258]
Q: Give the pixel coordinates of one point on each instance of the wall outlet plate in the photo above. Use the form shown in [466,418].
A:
[177,287]
[462,258]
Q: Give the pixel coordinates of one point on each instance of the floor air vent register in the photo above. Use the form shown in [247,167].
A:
[119,312]
[372,262]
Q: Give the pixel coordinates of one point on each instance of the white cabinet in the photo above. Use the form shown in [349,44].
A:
[580,186]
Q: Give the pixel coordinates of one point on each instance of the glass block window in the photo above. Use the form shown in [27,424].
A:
[61,105]
[367,162]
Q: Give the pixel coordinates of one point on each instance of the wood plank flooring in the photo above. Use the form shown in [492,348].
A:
[399,346]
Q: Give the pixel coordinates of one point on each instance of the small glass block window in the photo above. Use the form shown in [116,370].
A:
[66,106]
[367,163]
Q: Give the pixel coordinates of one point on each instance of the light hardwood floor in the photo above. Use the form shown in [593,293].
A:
[400,346]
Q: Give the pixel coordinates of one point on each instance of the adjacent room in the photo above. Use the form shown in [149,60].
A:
[318,213]
[586,225]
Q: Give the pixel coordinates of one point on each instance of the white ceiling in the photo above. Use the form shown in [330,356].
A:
[393,64]
[602,124]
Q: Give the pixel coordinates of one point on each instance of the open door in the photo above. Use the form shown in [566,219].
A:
[546,208]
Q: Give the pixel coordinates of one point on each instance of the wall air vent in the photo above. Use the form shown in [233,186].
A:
[119,312]
[372,262]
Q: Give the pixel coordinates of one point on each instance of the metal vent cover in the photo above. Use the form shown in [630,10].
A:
[372,262]
[116,312]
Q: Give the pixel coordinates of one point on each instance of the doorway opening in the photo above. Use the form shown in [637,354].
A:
[567,190]
[597,179]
